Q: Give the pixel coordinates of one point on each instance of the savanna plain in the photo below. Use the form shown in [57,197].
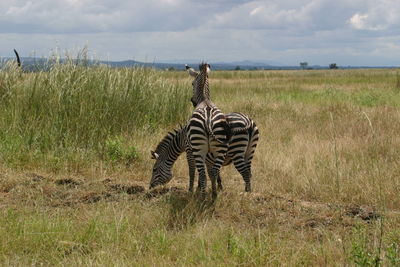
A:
[75,165]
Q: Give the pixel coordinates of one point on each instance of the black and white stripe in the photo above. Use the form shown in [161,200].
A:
[166,153]
[208,130]
[241,148]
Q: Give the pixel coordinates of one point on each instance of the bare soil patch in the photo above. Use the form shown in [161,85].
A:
[67,181]
[124,188]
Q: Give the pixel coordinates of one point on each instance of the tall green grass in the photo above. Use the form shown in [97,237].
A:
[72,107]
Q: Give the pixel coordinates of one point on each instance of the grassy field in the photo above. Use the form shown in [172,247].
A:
[75,165]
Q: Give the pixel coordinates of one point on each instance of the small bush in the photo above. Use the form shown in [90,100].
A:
[117,151]
[361,252]
[393,254]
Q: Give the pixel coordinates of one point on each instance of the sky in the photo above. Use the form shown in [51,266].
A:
[286,32]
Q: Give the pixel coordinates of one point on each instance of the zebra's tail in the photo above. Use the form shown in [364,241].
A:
[220,131]
[227,130]
[239,122]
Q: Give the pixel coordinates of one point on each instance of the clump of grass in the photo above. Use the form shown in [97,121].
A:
[117,151]
[366,250]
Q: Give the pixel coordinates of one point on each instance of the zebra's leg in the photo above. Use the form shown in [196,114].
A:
[202,177]
[214,175]
[198,184]
[192,168]
[219,183]
[244,168]
[210,163]
[210,174]
[220,187]
[199,158]
[215,170]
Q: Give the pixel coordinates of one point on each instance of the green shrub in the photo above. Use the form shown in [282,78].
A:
[362,254]
[117,151]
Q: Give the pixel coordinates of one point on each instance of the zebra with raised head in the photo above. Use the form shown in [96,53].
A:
[241,149]
[208,131]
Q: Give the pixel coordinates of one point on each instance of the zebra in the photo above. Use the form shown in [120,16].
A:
[241,149]
[208,131]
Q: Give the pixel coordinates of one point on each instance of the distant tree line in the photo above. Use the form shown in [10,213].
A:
[304,66]
[333,66]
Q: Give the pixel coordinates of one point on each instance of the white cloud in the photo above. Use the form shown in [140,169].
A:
[15,11]
[259,15]
[72,16]
[378,15]
[359,21]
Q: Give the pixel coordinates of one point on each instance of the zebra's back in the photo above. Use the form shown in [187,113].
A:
[244,139]
[207,124]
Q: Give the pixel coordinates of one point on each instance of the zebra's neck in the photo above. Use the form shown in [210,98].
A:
[171,146]
[202,92]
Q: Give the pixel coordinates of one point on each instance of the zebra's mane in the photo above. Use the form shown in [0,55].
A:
[202,86]
[166,141]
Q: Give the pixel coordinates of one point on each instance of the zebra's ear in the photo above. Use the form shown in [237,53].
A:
[191,71]
[154,155]
[208,68]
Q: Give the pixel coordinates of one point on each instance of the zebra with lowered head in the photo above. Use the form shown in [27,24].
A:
[241,149]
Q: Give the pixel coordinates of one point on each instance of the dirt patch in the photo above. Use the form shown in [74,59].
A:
[67,181]
[265,209]
[6,187]
[128,189]
[319,222]
[35,177]
[68,247]
[162,191]
[106,181]
[365,213]
[93,197]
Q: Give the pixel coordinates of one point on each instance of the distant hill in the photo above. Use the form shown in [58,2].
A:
[250,63]
[36,64]
[30,63]
[181,66]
